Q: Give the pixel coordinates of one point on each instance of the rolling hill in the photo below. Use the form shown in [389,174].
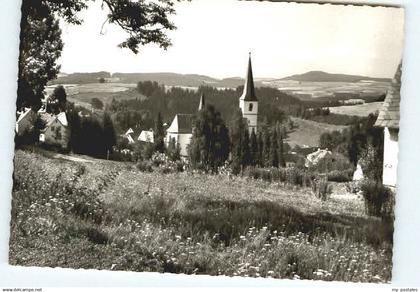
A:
[166,78]
[320,76]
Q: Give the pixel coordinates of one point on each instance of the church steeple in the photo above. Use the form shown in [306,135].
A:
[249,89]
[202,103]
[248,102]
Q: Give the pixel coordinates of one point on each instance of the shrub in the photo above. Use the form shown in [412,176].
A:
[352,187]
[377,197]
[291,176]
[145,166]
[341,175]
[321,188]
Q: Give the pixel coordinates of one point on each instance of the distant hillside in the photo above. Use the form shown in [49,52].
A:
[170,79]
[320,76]
[80,78]
[166,78]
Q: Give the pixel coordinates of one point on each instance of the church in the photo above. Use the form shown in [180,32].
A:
[248,102]
[181,127]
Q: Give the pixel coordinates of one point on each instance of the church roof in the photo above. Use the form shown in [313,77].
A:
[181,124]
[249,89]
[389,115]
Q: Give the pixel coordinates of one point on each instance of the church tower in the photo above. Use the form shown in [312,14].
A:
[248,102]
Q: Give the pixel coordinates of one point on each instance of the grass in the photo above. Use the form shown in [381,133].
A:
[108,215]
[360,110]
[308,132]
[82,94]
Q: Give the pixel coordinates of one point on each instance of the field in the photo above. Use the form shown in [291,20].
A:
[361,110]
[306,90]
[79,212]
[307,132]
[82,94]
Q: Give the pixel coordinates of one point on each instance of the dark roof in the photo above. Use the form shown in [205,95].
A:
[182,124]
[389,115]
[249,89]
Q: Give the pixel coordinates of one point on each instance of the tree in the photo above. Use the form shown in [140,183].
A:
[101,80]
[110,138]
[209,146]
[75,126]
[246,151]
[237,128]
[173,151]
[282,161]
[58,100]
[274,156]
[254,149]
[97,103]
[159,134]
[260,161]
[267,149]
[40,36]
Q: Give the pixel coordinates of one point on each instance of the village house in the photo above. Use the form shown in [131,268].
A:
[56,131]
[314,158]
[146,136]
[180,130]
[388,119]
[25,121]
[129,136]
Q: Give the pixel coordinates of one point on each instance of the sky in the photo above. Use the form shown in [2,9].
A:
[214,37]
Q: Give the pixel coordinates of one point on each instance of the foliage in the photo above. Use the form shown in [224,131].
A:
[321,188]
[376,197]
[354,141]
[159,134]
[91,135]
[109,135]
[341,175]
[371,162]
[209,146]
[274,105]
[40,36]
[40,47]
[145,166]
[57,102]
[333,162]
[173,151]
[108,215]
[97,103]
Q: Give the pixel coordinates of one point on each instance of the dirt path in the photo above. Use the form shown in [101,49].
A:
[73,158]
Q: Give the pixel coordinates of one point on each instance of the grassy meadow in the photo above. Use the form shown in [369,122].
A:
[82,94]
[79,212]
[307,132]
[360,110]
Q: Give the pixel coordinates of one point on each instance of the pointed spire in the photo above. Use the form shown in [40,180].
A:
[202,104]
[249,90]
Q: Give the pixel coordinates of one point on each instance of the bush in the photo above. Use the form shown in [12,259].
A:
[145,166]
[291,176]
[378,198]
[321,188]
[341,175]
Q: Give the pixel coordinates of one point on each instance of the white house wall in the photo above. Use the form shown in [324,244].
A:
[182,139]
[390,157]
[50,136]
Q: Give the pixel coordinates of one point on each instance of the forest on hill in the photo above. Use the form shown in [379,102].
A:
[274,105]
